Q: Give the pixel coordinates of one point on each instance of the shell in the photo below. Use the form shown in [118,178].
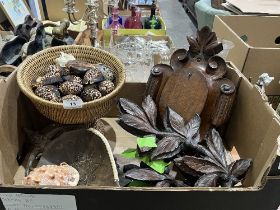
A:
[90,94]
[70,97]
[106,87]
[64,71]
[51,78]
[37,83]
[107,72]
[93,76]
[53,69]
[48,92]
[79,67]
[70,88]
[53,175]
[73,78]
[93,86]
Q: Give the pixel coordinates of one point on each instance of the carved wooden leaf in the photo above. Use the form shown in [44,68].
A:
[138,123]
[164,183]
[150,108]
[192,127]
[131,108]
[213,48]
[203,35]
[240,167]
[207,180]
[168,147]
[179,183]
[165,121]
[211,38]
[185,168]
[216,146]
[201,165]
[176,122]
[144,175]
[196,138]
[194,47]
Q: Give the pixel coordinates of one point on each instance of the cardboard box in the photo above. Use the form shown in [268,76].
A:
[245,132]
[267,7]
[257,45]
[143,32]
[256,51]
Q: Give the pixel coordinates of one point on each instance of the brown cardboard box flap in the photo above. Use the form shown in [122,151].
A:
[239,53]
[9,140]
[257,6]
[258,139]
[257,45]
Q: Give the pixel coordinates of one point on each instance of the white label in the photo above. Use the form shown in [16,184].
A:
[19,201]
[72,104]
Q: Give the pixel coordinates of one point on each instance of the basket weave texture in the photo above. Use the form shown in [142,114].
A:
[36,65]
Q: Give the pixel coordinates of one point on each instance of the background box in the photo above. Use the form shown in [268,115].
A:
[257,45]
[256,51]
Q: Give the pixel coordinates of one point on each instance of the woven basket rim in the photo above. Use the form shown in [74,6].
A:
[31,95]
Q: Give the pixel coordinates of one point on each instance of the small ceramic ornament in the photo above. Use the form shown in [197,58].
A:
[64,58]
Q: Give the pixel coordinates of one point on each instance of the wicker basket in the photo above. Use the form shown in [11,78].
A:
[36,64]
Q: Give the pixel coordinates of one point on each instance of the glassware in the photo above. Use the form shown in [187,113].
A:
[152,22]
[120,20]
[137,54]
[134,21]
[115,10]
[115,25]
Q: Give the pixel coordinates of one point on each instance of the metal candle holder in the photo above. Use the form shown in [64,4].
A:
[92,16]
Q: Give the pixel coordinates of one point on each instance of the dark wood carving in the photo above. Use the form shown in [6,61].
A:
[194,82]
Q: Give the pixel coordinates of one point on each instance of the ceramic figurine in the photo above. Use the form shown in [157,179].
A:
[60,33]
[195,82]
[29,39]
[24,29]
[36,41]
[10,53]
[263,81]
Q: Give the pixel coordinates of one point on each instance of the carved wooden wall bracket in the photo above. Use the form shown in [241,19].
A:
[195,82]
